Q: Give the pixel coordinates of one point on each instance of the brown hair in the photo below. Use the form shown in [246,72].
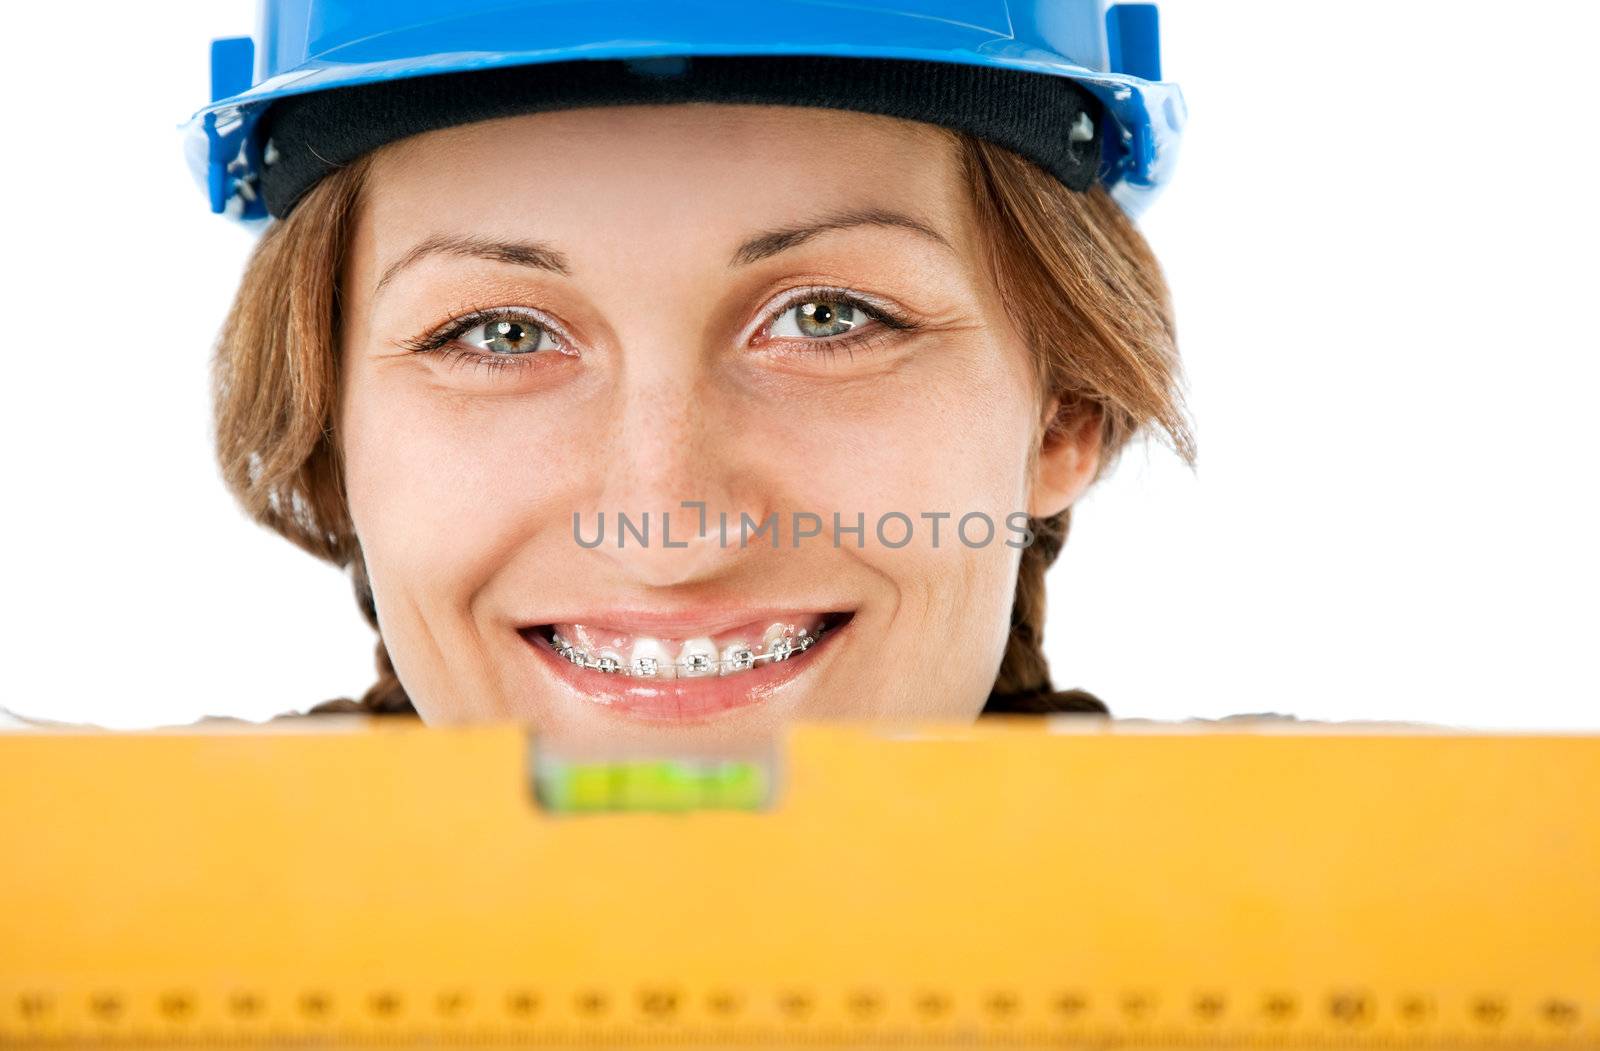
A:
[1079,281]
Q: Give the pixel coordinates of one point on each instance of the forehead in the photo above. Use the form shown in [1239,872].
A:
[703,171]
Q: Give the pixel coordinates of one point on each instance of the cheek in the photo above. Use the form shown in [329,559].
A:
[947,435]
[950,434]
[439,486]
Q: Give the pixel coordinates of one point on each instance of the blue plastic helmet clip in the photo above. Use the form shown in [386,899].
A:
[316,45]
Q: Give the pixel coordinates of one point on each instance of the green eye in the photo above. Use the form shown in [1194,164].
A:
[509,336]
[819,318]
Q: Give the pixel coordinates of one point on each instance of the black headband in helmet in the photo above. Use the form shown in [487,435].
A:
[1051,120]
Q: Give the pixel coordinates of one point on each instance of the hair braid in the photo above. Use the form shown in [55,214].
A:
[1023,685]
[386,696]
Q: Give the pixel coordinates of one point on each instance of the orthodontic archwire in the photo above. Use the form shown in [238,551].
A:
[696,664]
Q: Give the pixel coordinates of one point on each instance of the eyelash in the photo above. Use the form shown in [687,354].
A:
[441,340]
[830,346]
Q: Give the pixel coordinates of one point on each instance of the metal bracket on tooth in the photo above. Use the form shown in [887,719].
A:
[646,667]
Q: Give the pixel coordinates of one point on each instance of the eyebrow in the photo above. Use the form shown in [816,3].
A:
[772,242]
[540,255]
[534,254]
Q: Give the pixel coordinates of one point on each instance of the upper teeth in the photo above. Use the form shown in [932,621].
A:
[698,657]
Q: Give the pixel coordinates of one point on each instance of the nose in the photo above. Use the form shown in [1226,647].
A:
[674,471]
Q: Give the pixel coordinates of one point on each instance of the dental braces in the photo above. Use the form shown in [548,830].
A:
[695,664]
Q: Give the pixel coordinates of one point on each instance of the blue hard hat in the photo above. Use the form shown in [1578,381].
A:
[309,46]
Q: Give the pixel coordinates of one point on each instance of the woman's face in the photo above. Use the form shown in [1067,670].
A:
[695,318]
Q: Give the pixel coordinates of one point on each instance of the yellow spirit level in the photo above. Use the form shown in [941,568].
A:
[1070,883]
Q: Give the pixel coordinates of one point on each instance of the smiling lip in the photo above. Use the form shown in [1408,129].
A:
[680,700]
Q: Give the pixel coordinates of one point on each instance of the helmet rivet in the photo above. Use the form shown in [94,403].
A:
[269,154]
[1082,129]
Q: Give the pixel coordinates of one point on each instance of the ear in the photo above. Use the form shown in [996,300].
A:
[1068,458]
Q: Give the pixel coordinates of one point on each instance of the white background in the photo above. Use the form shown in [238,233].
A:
[1381,241]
